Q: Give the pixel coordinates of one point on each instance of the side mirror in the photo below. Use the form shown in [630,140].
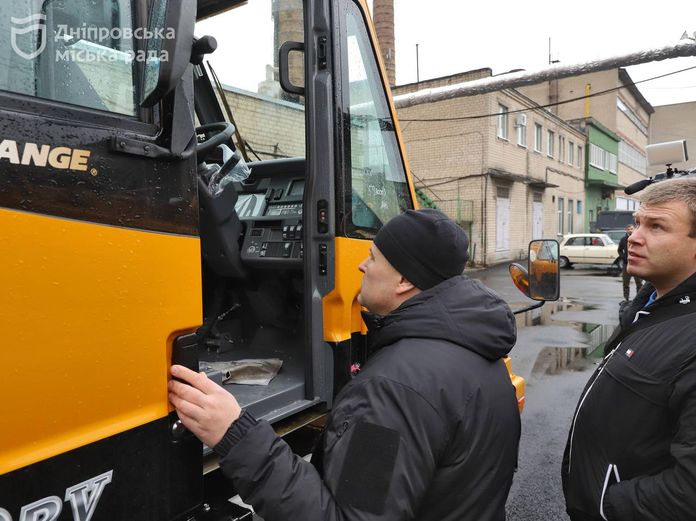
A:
[168,50]
[544,273]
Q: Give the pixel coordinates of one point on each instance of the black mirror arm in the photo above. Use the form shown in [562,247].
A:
[529,308]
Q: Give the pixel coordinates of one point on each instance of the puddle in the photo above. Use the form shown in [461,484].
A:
[555,359]
[545,314]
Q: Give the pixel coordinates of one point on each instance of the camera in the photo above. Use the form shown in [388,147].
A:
[666,154]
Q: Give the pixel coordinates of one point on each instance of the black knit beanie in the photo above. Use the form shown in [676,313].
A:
[425,246]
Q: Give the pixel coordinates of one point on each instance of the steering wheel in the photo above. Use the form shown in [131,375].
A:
[222,132]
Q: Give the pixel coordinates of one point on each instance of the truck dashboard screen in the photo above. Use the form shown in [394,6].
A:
[296,188]
[250,205]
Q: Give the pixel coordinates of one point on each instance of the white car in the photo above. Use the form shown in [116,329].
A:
[588,248]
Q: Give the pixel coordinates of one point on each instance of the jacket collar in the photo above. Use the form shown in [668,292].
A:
[684,293]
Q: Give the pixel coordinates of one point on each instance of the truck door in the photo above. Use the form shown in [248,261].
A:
[372,183]
[99,269]
[320,139]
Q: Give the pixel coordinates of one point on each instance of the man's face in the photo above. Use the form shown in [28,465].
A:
[629,229]
[660,249]
[379,284]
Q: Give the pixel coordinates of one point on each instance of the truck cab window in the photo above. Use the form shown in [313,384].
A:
[378,179]
[72,51]
[271,121]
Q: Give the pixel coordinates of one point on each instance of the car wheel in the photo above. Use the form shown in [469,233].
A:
[564,263]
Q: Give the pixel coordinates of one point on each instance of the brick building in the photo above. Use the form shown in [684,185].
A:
[611,99]
[273,127]
[507,170]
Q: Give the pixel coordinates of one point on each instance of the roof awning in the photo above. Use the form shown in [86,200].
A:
[512,178]
[208,8]
[538,183]
[605,184]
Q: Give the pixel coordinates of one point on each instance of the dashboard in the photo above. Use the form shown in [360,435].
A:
[269,204]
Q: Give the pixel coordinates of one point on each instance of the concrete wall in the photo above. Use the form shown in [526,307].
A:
[575,87]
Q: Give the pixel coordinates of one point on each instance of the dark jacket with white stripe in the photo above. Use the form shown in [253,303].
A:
[427,431]
[631,452]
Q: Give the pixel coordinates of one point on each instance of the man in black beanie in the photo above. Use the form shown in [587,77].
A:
[429,428]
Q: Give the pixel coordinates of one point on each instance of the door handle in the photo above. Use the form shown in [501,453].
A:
[284,67]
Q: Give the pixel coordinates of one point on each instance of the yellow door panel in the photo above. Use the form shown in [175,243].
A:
[341,309]
[89,313]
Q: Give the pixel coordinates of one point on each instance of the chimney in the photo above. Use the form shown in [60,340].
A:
[288,19]
[384,25]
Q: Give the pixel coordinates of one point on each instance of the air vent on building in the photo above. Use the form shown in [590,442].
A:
[503,192]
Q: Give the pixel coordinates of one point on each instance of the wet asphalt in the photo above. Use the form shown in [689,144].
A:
[556,352]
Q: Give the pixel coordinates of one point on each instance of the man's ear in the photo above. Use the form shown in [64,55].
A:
[404,286]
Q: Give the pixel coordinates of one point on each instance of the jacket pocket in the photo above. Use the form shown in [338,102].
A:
[637,380]
[610,478]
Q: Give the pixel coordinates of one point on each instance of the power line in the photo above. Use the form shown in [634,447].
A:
[579,98]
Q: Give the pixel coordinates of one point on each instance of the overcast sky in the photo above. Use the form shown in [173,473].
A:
[458,35]
[455,36]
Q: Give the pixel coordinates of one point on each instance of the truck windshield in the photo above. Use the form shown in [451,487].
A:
[271,120]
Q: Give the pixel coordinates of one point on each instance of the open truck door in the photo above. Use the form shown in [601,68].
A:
[126,246]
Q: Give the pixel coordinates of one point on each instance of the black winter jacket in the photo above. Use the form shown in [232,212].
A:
[428,430]
[631,452]
[623,249]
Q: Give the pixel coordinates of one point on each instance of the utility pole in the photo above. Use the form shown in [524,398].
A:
[417,66]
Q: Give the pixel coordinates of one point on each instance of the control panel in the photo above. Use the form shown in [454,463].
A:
[270,206]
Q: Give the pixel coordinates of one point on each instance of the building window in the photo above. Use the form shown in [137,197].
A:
[521,125]
[550,136]
[632,158]
[570,215]
[596,156]
[502,121]
[626,204]
[561,149]
[571,153]
[561,215]
[537,137]
[579,158]
[579,210]
[632,116]
[602,159]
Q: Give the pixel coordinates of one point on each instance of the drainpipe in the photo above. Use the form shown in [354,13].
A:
[484,221]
